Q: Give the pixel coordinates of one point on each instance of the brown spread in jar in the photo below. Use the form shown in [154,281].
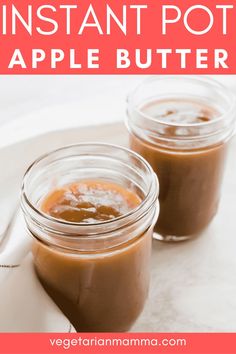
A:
[180,111]
[101,291]
[189,178]
[89,202]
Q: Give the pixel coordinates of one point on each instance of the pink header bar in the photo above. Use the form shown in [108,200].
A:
[117,37]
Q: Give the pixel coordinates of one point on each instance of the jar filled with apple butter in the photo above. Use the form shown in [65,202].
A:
[91,210]
[182,125]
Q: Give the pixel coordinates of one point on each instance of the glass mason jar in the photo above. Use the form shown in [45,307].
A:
[188,157]
[98,273]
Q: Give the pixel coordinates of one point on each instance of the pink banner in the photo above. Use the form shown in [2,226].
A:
[117,37]
[116,343]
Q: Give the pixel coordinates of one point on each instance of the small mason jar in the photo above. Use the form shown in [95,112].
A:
[188,156]
[98,273]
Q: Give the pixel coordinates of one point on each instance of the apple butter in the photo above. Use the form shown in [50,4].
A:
[184,138]
[89,202]
[92,238]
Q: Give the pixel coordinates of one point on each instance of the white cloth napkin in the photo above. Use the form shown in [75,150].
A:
[24,305]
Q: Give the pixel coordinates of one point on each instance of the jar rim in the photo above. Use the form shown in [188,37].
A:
[193,78]
[148,200]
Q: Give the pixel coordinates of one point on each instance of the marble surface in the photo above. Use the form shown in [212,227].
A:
[193,284]
[32,105]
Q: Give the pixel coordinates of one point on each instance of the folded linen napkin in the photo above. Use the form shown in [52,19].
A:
[24,305]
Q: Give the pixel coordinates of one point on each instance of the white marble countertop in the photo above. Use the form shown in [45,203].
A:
[193,283]
[31,105]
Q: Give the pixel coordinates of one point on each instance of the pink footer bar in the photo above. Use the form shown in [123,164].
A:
[117,343]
